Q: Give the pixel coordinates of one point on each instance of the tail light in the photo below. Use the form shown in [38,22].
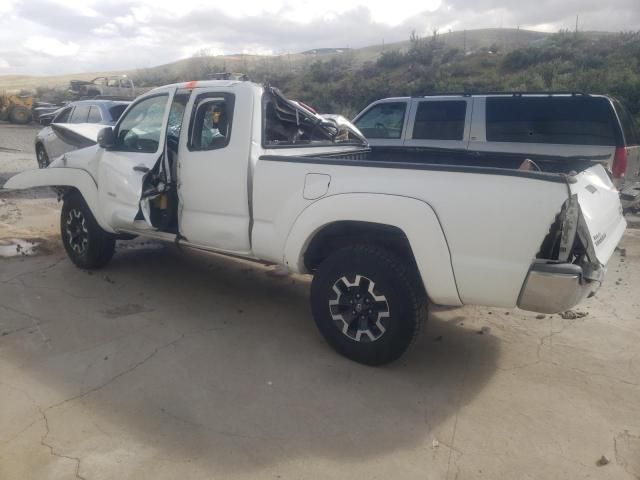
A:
[619,162]
[569,228]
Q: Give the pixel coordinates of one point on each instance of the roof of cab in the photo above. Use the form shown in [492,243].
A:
[206,84]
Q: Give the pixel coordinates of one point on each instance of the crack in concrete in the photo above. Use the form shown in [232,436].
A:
[52,451]
[117,376]
[38,270]
[620,458]
[43,411]
[37,322]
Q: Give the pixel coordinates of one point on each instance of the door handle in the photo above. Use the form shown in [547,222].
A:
[141,168]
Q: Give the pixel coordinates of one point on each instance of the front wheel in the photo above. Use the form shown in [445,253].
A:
[86,244]
[367,303]
[42,157]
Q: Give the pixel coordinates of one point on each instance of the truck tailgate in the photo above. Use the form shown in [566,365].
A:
[601,210]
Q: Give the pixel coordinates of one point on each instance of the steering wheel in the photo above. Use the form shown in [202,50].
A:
[382,126]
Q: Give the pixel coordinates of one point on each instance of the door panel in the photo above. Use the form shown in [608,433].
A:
[140,144]
[213,170]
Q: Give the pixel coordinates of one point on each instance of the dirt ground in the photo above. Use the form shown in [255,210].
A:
[169,364]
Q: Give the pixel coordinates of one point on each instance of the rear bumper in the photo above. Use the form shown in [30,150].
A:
[554,288]
[630,195]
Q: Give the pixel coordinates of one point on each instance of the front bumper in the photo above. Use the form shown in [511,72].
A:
[557,287]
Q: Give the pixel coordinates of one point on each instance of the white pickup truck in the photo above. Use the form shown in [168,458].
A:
[235,168]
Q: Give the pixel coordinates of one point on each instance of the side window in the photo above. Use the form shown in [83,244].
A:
[63,116]
[383,120]
[561,120]
[210,127]
[440,120]
[112,82]
[141,128]
[94,115]
[80,114]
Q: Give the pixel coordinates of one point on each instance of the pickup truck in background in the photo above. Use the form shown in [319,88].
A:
[494,127]
[115,87]
[235,168]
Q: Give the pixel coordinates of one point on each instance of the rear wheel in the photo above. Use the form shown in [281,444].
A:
[367,303]
[20,115]
[86,244]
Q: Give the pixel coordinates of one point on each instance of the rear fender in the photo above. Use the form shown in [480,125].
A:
[414,217]
[61,177]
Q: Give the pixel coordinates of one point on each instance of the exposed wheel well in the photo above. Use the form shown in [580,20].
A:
[343,233]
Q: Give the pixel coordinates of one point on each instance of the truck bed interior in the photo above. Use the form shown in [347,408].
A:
[509,161]
[454,160]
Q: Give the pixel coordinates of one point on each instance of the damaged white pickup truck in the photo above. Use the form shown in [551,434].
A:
[235,168]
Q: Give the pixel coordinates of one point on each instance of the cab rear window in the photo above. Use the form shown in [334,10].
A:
[575,120]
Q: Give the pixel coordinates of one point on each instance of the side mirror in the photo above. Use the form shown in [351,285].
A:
[106,137]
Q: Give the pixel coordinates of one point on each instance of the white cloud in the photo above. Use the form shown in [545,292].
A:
[99,35]
[4,64]
[51,46]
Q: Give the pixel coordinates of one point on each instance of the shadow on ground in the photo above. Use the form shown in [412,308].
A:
[213,359]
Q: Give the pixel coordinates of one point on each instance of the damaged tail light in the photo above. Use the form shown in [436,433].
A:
[569,228]
[619,166]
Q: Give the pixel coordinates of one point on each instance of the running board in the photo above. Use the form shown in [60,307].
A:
[181,242]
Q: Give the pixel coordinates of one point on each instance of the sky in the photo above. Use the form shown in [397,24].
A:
[47,37]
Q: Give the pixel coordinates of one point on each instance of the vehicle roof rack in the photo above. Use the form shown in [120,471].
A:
[228,76]
[512,93]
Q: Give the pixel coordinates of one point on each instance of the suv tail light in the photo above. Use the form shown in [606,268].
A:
[619,162]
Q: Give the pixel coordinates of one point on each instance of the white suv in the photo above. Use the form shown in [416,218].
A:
[497,127]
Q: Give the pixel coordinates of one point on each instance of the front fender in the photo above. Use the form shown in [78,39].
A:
[61,177]
[414,217]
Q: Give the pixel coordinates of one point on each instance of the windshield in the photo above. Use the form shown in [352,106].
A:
[290,123]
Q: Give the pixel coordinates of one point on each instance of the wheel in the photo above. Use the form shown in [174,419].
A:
[20,115]
[87,245]
[367,303]
[42,157]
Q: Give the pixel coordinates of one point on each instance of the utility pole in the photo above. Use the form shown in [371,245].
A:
[576,24]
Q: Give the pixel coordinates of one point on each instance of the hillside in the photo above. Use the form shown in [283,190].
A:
[189,68]
[335,79]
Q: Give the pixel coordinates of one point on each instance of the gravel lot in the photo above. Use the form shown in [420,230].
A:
[170,364]
[18,138]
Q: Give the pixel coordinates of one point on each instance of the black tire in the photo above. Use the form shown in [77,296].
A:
[399,315]
[20,115]
[42,157]
[86,244]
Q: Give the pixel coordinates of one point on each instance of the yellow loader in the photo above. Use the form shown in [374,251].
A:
[16,108]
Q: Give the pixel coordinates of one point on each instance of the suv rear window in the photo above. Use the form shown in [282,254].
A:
[440,120]
[629,128]
[561,120]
